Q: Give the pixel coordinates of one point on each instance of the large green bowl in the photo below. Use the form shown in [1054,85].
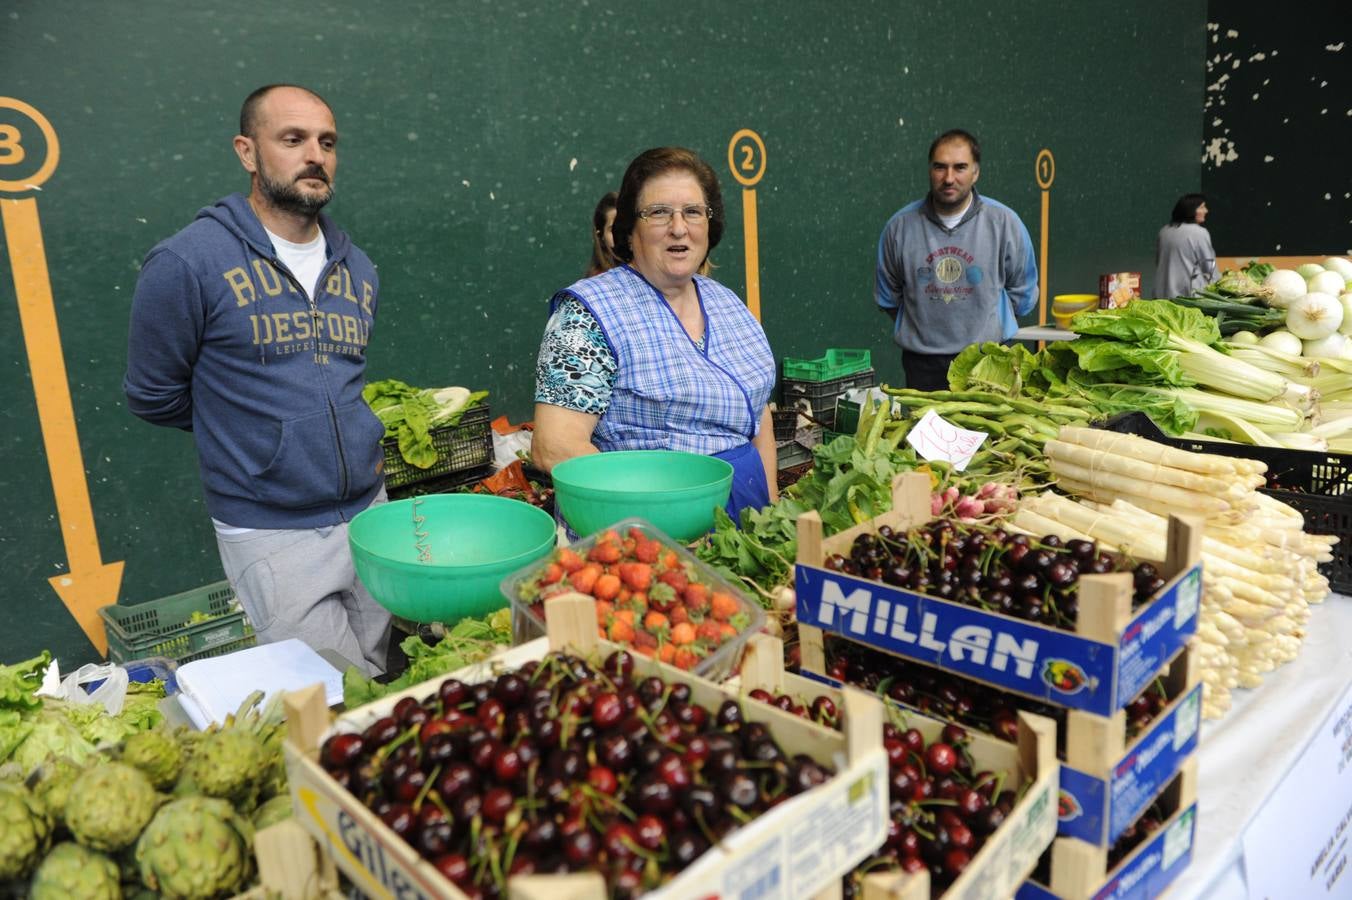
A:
[675,491]
[472,542]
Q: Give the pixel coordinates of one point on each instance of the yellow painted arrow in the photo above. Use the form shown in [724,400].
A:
[90,583]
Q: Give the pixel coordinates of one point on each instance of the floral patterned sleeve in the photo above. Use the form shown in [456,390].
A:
[576,368]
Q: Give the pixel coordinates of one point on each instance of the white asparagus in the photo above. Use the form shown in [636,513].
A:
[1097,461]
[1131,445]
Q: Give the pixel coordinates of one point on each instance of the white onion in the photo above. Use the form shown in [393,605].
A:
[1345,301]
[1347,350]
[1309,270]
[1286,286]
[1340,265]
[1282,342]
[1314,316]
[1331,347]
[1244,337]
[1327,282]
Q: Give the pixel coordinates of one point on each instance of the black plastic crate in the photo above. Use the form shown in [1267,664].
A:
[820,396]
[1326,515]
[786,423]
[467,444]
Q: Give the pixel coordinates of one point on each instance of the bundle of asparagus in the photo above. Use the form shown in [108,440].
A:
[1259,567]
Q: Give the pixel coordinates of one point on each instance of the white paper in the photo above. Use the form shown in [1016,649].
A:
[937,439]
[1298,843]
[216,686]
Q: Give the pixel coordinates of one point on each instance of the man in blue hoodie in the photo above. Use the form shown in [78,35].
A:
[954,268]
[249,329]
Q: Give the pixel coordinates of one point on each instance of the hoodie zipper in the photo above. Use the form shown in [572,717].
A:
[328,400]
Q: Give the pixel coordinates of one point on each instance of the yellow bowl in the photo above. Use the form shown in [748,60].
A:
[1073,303]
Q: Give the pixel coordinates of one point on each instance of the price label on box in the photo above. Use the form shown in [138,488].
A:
[937,439]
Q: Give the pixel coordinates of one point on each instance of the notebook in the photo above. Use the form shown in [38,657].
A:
[212,688]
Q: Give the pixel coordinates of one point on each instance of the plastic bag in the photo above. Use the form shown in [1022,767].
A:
[111,693]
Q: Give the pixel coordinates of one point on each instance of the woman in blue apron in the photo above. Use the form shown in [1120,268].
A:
[653,356]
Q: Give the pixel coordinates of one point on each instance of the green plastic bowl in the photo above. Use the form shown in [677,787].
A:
[472,540]
[675,491]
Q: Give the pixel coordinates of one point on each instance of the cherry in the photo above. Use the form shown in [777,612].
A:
[541,835]
[607,710]
[602,779]
[580,848]
[380,732]
[399,818]
[454,868]
[619,665]
[654,795]
[508,765]
[619,841]
[650,832]
[940,758]
[497,803]
[673,770]
[342,750]
[686,847]
[452,692]
[955,861]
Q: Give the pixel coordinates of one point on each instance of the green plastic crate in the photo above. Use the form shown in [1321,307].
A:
[165,628]
[837,363]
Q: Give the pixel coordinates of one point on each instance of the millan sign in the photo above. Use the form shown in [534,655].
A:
[996,649]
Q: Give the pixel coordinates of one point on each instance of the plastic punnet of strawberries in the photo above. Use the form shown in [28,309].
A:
[558,767]
[647,597]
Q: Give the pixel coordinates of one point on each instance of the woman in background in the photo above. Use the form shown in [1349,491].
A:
[1184,258]
[603,243]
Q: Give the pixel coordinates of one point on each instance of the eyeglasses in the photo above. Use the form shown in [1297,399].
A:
[661,215]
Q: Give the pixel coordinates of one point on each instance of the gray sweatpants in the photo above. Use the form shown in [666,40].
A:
[302,584]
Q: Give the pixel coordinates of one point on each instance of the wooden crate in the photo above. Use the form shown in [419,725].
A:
[797,849]
[1080,870]
[1099,668]
[1011,853]
[291,866]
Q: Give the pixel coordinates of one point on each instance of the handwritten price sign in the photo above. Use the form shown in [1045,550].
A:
[936,438]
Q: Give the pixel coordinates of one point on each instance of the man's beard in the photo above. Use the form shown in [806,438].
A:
[288,197]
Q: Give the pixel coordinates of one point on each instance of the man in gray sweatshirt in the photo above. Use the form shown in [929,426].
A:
[954,268]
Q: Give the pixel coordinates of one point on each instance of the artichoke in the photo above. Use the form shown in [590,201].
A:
[196,847]
[228,764]
[276,809]
[74,871]
[25,830]
[157,754]
[109,805]
[54,780]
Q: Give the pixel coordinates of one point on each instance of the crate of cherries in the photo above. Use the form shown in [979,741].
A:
[950,791]
[588,762]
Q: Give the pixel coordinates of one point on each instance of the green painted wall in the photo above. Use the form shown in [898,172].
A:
[476,137]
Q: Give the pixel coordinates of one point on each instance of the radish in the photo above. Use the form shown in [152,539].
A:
[969,508]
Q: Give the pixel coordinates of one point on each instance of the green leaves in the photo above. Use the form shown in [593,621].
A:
[1148,323]
[410,413]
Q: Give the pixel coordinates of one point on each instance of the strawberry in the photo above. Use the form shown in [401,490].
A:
[675,579]
[685,658]
[621,632]
[552,574]
[656,622]
[638,601]
[727,630]
[709,633]
[584,579]
[723,605]
[605,552]
[625,615]
[607,587]
[603,611]
[610,535]
[638,576]
[627,546]
[649,652]
[696,598]
[677,614]
[683,634]
[644,639]
[569,560]
[666,653]
[669,560]
[646,550]
[661,597]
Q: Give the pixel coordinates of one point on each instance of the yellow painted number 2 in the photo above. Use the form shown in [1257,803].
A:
[748,158]
[11,151]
